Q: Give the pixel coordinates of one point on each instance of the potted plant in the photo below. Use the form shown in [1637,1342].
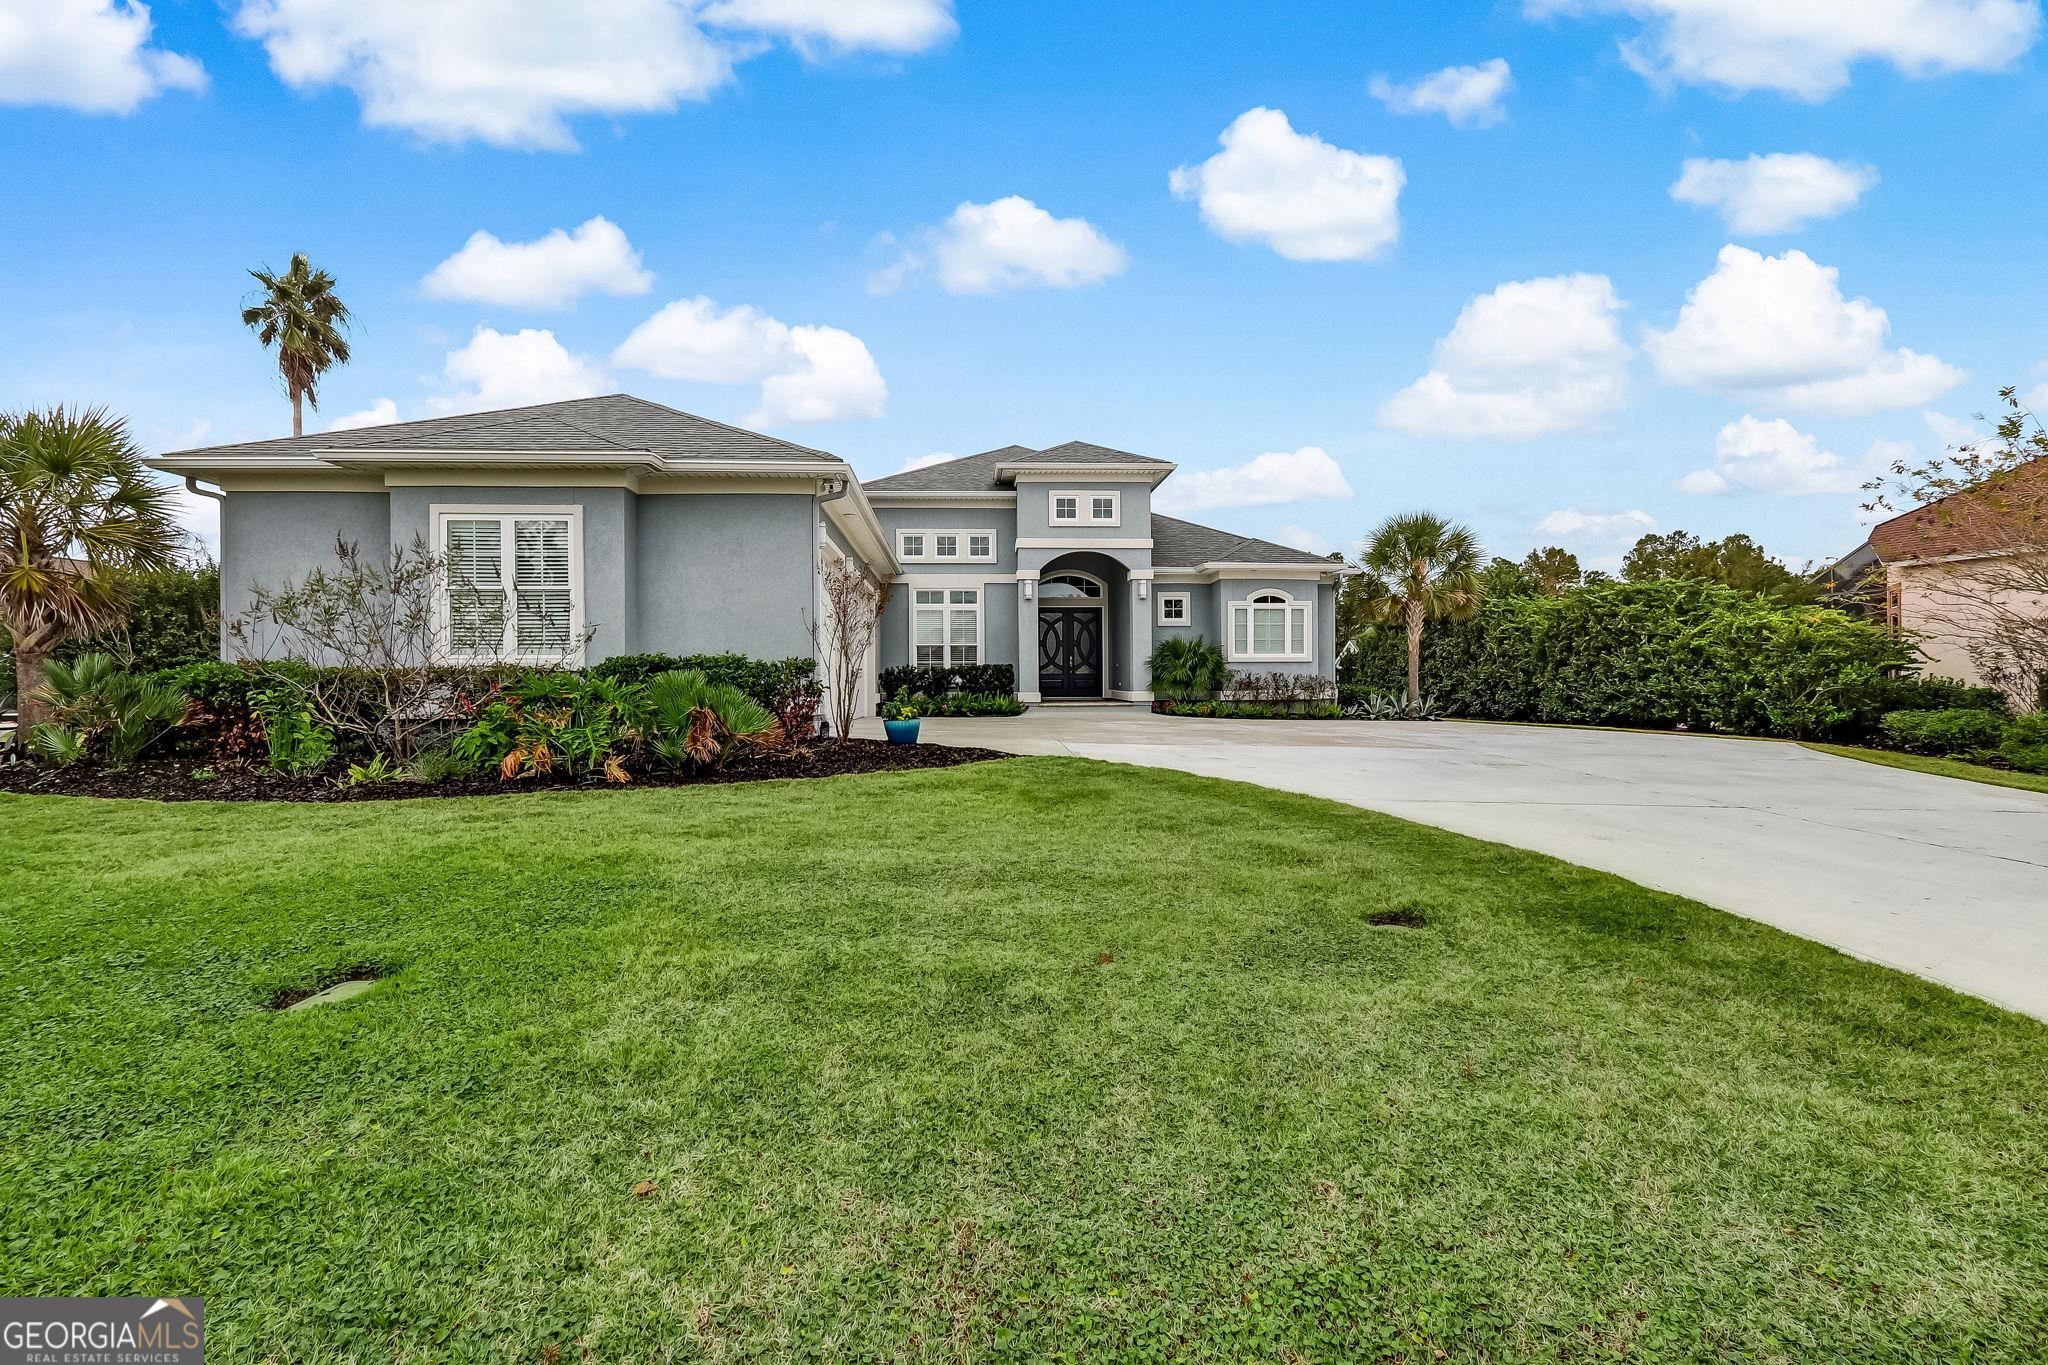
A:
[899,718]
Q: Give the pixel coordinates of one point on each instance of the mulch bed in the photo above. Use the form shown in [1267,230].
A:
[172,780]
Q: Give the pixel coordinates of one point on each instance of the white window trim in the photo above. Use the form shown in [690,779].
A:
[1084,507]
[931,545]
[1291,604]
[945,610]
[1187,608]
[438,517]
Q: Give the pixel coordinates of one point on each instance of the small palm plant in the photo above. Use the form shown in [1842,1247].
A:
[75,504]
[95,705]
[693,721]
[299,314]
[1185,670]
[1429,569]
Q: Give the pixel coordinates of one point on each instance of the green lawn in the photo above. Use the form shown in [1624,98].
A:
[1029,1060]
[1940,767]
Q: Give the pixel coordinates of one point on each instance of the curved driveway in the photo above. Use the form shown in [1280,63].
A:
[1942,877]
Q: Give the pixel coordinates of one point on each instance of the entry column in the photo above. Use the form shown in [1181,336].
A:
[1027,635]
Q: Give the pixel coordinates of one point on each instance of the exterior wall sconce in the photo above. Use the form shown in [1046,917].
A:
[1144,588]
[1030,588]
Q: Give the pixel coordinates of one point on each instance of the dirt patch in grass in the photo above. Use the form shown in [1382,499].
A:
[1404,917]
[172,779]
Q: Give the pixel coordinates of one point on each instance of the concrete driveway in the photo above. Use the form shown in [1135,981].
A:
[1945,878]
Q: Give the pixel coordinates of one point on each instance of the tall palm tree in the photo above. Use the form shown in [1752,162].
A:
[1431,570]
[300,315]
[75,502]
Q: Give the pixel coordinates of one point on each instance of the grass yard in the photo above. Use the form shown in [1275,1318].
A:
[1940,767]
[1040,1059]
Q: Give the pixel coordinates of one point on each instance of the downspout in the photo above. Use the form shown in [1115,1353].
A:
[221,604]
[829,490]
[192,486]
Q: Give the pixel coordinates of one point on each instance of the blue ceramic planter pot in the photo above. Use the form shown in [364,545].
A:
[901,731]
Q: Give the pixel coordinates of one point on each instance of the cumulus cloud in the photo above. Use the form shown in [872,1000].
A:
[926,461]
[806,373]
[514,72]
[1469,96]
[1781,192]
[1778,327]
[1274,477]
[1806,48]
[381,413]
[1010,243]
[1573,527]
[1302,538]
[90,55]
[508,370]
[1756,456]
[1301,196]
[900,26]
[1530,358]
[549,272]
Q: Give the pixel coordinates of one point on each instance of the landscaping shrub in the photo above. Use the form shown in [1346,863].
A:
[1183,669]
[957,704]
[1659,655]
[981,680]
[1961,730]
[771,682]
[1250,710]
[2026,743]
[96,709]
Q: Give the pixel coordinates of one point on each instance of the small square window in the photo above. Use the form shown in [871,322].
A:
[1104,509]
[1066,509]
[981,547]
[913,547]
[946,547]
[1173,609]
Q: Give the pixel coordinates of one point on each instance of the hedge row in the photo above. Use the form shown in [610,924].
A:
[980,680]
[1660,655]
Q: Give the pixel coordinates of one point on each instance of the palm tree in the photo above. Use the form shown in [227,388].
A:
[1431,569]
[299,313]
[75,502]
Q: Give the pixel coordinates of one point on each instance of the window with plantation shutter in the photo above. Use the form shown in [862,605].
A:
[514,579]
[1270,626]
[946,626]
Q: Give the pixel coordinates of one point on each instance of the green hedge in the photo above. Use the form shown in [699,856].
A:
[1961,730]
[981,680]
[1658,655]
[771,682]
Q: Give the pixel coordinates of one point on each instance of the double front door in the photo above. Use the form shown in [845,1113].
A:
[1070,651]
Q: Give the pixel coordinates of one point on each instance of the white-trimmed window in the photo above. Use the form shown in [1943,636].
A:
[1086,509]
[515,582]
[939,547]
[945,626]
[1174,609]
[1271,626]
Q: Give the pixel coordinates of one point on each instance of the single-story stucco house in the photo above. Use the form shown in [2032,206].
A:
[653,531]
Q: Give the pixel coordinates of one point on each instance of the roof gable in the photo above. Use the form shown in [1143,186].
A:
[1185,545]
[982,473]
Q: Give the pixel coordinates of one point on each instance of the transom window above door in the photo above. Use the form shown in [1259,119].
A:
[1070,588]
[1271,625]
[1085,509]
[940,547]
[513,587]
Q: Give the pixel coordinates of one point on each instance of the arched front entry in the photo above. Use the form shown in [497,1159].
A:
[1073,634]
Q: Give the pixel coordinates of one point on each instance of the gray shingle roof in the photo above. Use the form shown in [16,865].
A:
[977,473]
[1183,545]
[614,423]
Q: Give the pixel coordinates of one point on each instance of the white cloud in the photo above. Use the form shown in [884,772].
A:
[1778,327]
[926,461]
[198,516]
[1574,527]
[1010,243]
[1274,477]
[1755,456]
[90,55]
[1805,48]
[1301,538]
[381,413]
[1781,192]
[549,272]
[513,72]
[807,374]
[1530,358]
[1469,96]
[1306,199]
[901,26]
[509,370]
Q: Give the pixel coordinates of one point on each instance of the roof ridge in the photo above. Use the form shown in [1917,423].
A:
[594,435]
[727,426]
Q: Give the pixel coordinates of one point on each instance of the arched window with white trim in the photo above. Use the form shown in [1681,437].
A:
[1271,626]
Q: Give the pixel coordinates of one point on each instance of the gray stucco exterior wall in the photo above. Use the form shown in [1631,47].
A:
[270,539]
[1134,510]
[726,571]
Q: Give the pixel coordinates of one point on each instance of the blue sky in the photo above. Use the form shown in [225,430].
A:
[924,228]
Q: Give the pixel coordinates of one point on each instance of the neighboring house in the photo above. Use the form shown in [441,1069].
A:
[652,531]
[1965,568]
